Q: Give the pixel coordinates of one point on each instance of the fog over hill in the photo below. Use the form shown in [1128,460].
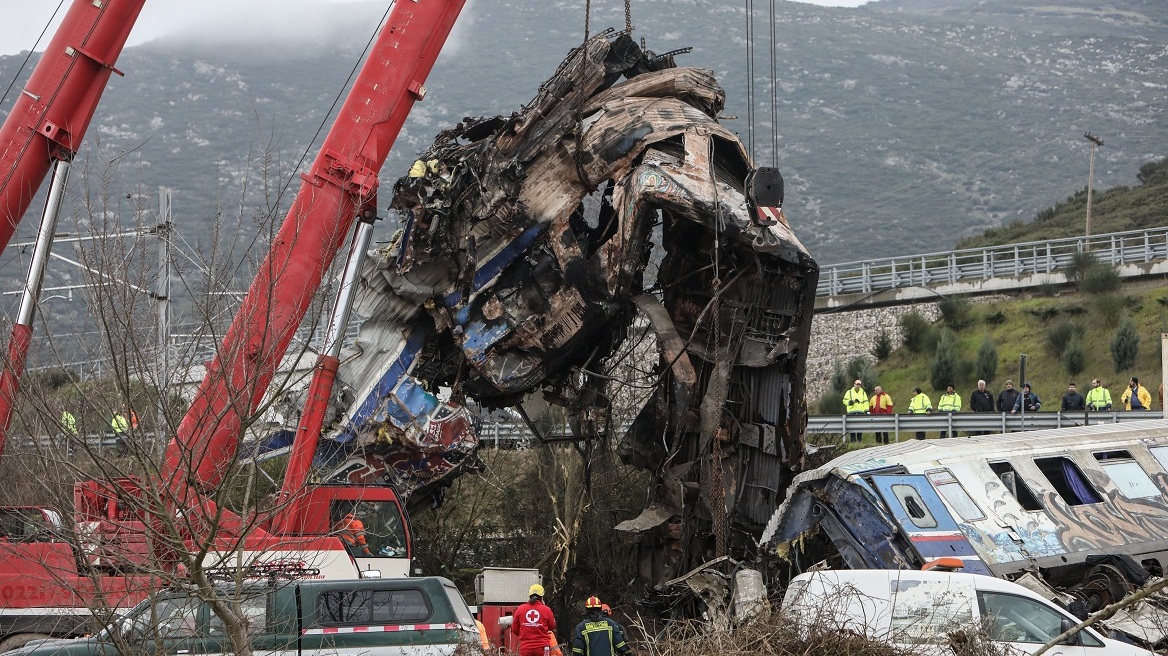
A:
[902,125]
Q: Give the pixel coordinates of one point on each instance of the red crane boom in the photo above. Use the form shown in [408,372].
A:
[50,117]
[341,181]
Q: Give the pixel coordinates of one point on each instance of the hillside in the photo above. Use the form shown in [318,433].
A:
[1112,210]
[1031,324]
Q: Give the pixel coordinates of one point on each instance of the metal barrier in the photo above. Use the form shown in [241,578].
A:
[976,264]
[968,422]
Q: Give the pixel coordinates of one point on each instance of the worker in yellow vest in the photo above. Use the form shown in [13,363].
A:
[920,404]
[856,403]
[949,403]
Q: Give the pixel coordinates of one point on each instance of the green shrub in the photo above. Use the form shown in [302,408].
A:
[840,382]
[883,346]
[944,369]
[1109,309]
[955,311]
[860,368]
[986,363]
[914,330]
[1125,346]
[1081,263]
[995,318]
[1100,280]
[1074,357]
[1061,334]
[1048,289]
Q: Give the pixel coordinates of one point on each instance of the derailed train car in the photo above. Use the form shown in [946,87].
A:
[1080,515]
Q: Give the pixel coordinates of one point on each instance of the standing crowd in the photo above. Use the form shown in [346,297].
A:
[856,401]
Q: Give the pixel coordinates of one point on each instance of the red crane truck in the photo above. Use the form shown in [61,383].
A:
[47,586]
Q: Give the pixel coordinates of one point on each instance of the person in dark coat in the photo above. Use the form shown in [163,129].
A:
[1073,401]
[1007,397]
[981,400]
[1027,400]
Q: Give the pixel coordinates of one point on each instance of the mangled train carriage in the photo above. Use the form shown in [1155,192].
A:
[1078,514]
[529,245]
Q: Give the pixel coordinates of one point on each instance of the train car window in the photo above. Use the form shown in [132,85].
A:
[955,495]
[1161,455]
[1068,481]
[1016,485]
[1130,479]
[914,505]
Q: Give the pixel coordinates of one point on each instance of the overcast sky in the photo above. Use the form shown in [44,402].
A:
[23,20]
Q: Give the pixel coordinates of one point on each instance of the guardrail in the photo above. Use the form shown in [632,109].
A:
[968,422]
[977,264]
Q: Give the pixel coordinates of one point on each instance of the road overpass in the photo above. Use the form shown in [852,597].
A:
[899,280]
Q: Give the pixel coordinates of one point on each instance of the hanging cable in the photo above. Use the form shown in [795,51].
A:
[29,55]
[774,89]
[750,77]
[587,17]
[628,16]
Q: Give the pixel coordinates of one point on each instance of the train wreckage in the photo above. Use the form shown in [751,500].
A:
[1078,515]
[521,265]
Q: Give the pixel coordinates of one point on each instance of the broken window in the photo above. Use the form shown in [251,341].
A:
[918,512]
[955,495]
[1130,479]
[1016,485]
[1067,479]
[1161,455]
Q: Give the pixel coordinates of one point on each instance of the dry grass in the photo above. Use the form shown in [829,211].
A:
[775,635]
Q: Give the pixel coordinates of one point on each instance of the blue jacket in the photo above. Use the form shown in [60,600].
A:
[1033,403]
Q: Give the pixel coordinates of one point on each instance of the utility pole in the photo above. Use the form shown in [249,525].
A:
[162,298]
[1095,141]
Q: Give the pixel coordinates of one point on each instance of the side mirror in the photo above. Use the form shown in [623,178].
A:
[370,573]
[1074,638]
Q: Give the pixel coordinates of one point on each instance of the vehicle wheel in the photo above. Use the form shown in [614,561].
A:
[19,640]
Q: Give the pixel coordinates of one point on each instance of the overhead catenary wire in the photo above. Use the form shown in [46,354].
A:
[750,77]
[31,50]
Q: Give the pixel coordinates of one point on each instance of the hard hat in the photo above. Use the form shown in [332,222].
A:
[593,602]
[605,609]
[536,590]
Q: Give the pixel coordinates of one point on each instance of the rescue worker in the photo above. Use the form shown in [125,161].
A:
[1098,397]
[68,424]
[949,403]
[1028,400]
[121,428]
[533,623]
[1007,398]
[598,634]
[856,403]
[1073,401]
[920,404]
[1136,396]
[484,641]
[351,531]
[880,404]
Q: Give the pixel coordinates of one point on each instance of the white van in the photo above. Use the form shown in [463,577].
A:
[919,610]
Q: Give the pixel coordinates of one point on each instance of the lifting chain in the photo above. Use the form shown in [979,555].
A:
[588,18]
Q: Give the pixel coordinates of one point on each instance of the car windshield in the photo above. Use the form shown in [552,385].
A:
[385,533]
[170,617]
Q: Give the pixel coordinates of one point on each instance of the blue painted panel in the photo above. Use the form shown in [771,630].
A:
[495,265]
[410,348]
[931,529]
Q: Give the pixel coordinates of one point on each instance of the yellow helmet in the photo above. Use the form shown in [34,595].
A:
[536,590]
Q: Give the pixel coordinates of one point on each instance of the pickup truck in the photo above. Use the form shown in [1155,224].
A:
[389,617]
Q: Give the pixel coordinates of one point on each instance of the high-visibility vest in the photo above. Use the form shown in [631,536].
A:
[856,401]
[68,422]
[949,403]
[1098,398]
[920,404]
[120,424]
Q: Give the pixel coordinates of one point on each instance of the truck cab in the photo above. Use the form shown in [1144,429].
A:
[390,617]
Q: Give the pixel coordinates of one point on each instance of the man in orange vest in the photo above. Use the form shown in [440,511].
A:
[351,531]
